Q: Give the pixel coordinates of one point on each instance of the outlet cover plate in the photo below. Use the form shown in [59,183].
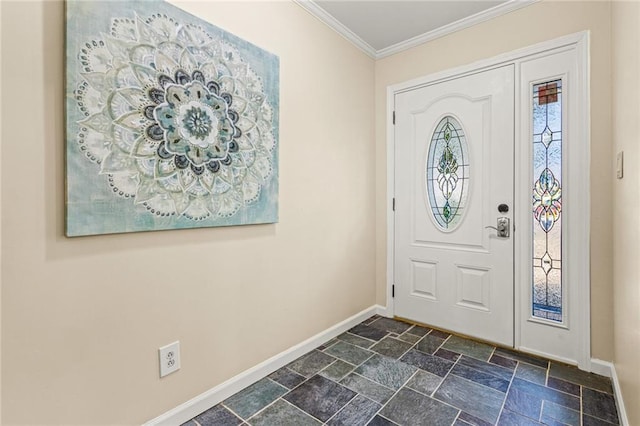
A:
[169,358]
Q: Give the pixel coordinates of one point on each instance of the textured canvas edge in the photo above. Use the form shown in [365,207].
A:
[188,410]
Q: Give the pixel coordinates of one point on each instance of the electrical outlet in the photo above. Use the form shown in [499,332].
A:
[169,358]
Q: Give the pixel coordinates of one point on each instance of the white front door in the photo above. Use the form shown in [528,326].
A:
[454,159]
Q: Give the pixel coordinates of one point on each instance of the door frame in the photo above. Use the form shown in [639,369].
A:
[578,177]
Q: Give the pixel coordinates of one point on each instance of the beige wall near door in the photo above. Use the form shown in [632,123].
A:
[533,24]
[626,201]
[82,318]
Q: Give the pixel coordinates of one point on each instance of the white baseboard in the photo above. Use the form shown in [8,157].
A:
[213,396]
[384,311]
[608,369]
[603,368]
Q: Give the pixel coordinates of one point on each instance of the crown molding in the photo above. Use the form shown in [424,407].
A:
[499,10]
[319,13]
[469,21]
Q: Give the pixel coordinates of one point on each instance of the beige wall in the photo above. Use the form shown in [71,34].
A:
[536,23]
[626,241]
[82,318]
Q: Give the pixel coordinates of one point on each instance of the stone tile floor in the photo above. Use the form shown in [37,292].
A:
[387,372]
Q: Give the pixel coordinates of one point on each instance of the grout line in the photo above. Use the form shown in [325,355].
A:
[344,406]
[581,408]
[372,381]
[300,409]
[233,412]
[394,394]
[506,394]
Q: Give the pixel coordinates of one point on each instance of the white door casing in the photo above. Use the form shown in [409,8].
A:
[569,341]
[459,278]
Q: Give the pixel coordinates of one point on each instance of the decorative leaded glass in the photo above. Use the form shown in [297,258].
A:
[547,200]
[448,173]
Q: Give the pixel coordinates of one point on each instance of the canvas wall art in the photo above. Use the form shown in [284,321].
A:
[171,122]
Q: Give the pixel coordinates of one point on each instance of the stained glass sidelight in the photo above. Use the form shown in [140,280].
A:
[547,200]
[447,173]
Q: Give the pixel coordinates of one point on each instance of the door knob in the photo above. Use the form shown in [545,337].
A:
[502,227]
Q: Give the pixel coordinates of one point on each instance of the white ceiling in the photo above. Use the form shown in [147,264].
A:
[384,27]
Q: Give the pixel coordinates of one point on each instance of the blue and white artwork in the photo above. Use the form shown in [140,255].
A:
[171,122]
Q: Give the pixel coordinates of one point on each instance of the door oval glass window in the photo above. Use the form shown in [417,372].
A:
[447,174]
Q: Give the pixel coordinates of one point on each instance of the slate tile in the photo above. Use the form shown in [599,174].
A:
[546,393]
[356,340]
[561,385]
[189,423]
[523,403]
[520,356]
[287,378]
[472,420]
[411,408]
[485,367]
[551,411]
[327,344]
[599,404]
[368,388]
[349,353]
[443,353]
[393,348]
[337,370]
[368,332]
[218,416]
[309,364]
[440,334]
[593,421]
[320,397]
[574,375]
[509,418]
[459,422]
[358,412]
[507,363]
[282,414]
[386,371]
[254,398]
[424,382]
[416,330]
[430,363]
[548,421]
[481,377]
[371,319]
[380,421]
[477,400]
[429,344]
[409,338]
[531,373]
[390,325]
[469,347]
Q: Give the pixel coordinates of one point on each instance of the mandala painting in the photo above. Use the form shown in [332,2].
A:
[171,122]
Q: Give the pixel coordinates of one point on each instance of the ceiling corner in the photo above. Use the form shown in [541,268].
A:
[319,13]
